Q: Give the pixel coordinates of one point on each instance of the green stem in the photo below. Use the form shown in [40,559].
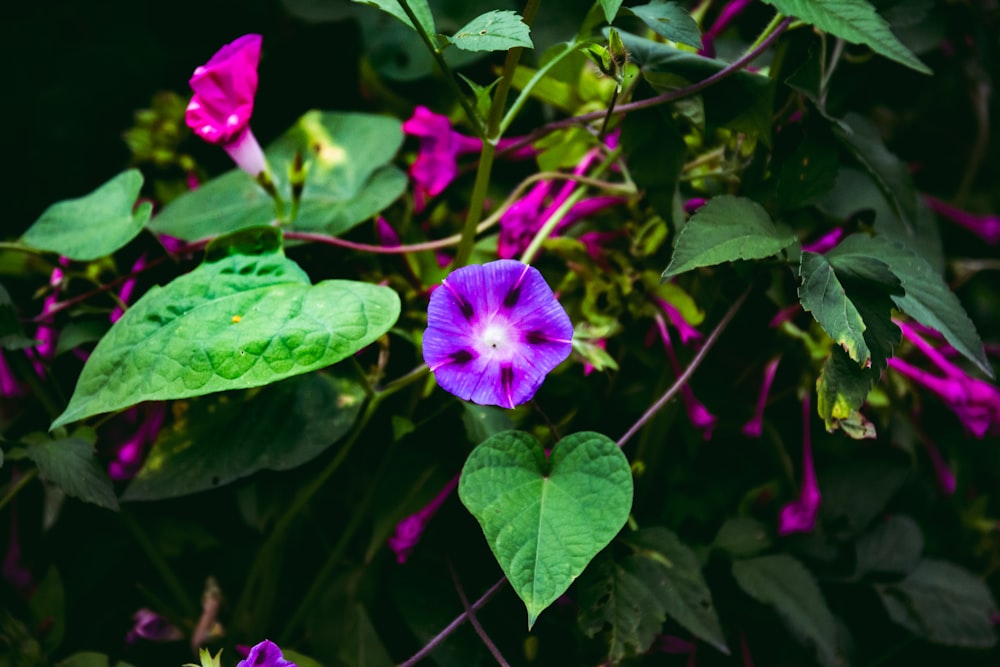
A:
[525,94]
[767,32]
[446,70]
[171,581]
[20,484]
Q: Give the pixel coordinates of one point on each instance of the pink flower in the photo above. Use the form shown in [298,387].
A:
[826,242]
[799,516]
[436,165]
[693,204]
[132,433]
[409,530]
[152,627]
[125,293]
[700,417]
[987,227]
[220,109]
[729,12]
[755,426]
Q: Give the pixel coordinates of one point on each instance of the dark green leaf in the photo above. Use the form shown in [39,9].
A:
[726,229]
[70,465]
[484,421]
[611,8]
[742,537]
[782,583]
[363,647]
[892,545]
[223,438]
[239,320]
[94,225]
[857,490]
[823,295]
[11,333]
[420,9]
[855,21]
[654,150]
[348,180]
[498,30]
[546,518]
[841,388]
[47,606]
[808,173]
[944,604]
[671,21]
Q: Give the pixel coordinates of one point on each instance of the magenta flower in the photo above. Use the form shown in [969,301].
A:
[125,293]
[700,416]
[436,165]
[974,401]
[693,204]
[152,627]
[409,530]
[494,332]
[826,242]
[986,227]
[220,109]
[729,12]
[132,432]
[265,654]
[755,426]
[799,516]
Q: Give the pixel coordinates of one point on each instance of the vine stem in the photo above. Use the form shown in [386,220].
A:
[20,484]
[688,372]
[768,38]
[494,651]
[451,627]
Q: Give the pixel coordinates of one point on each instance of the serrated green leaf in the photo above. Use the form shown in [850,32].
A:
[225,437]
[70,464]
[926,296]
[808,173]
[611,8]
[726,229]
[11,333]
[855,21]
[822,294]
[688,599]
[784,584]
[742,537]
[545,519]
[349,179]
[857,490]
[670,21]
[498,30]
[420,9]
[943,603]
[243,319]
[654,149]
[841,388]
[94,225]
[893,545]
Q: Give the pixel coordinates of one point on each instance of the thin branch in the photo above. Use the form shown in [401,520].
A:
[494,651]
[688,372]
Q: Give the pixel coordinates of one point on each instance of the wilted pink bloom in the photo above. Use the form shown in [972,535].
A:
[826,242]
[755,426]
[409,530]
[436,165]
[986,227]
[974,401]
[799,516]
[220,109]
[701,418]
[152,627]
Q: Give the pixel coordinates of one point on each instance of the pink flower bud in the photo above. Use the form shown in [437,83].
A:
[799,516]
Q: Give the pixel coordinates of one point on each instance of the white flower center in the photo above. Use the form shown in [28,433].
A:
[496,341]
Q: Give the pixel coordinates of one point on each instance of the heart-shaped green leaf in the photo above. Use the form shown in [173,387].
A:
[245,318]
[546,519]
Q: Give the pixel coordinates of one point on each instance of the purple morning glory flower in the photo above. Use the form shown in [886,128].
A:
[799,516]
[265,654]
[411,529]
[494,331]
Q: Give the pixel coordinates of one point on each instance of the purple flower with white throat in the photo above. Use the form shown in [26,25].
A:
[494,331]
[266,654]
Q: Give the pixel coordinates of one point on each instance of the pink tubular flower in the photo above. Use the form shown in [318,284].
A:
[220,109]
[826,242]
[729,12]
[436,165]
[701,418]
[132,432]
[410,529]
[755,426]
[986,227]
[125,293]
[975,402]
[799,516]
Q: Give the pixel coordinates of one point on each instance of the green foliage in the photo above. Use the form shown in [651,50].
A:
[90,659]
[894,545]
[841,388]
[855,21]
[742,537]
[493,31]
[246,317]
[94,225]
[545,519]
[670,21]
[726,229]
[348,180]
[420,9]
[610,8]
[11,333]
[785,585]
[69,463]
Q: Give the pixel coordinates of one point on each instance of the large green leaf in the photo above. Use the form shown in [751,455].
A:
[742,101]
[348,180]
[611,8]
[944,604]
[671,21]
[742,537]
[822,294]
[784,584]
[926,296]
[855,21]
[420,9]
[654,149]
[498,30]
[70,464]
[893,545]
[94,225]
[225,437]
[546,518]
[246,317]
[726,229]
